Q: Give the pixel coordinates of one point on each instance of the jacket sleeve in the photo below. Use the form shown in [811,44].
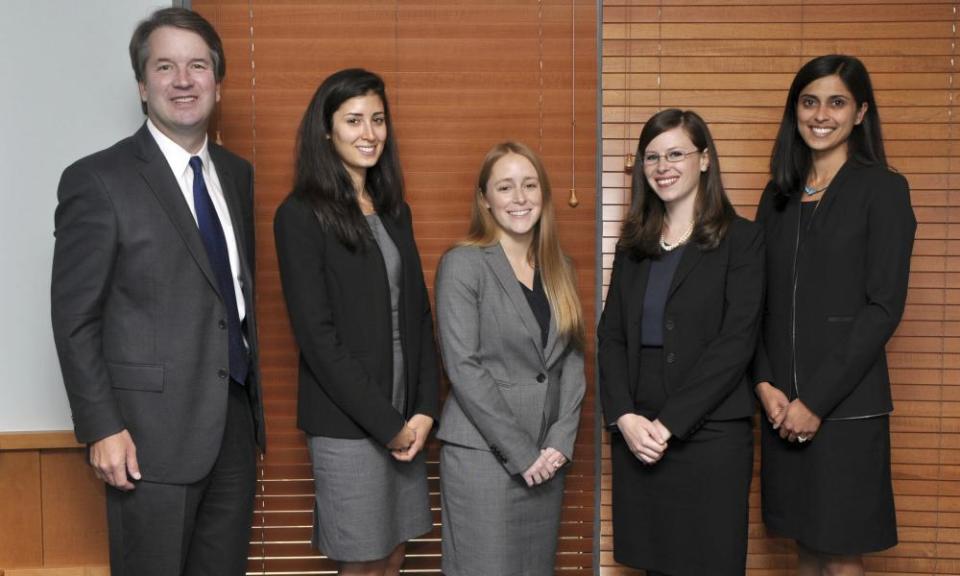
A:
[891,228]
[458,321]
[563,433]
[83,261]
[615,397]
[722,364]
[428,388]
[760,368]
[300,254]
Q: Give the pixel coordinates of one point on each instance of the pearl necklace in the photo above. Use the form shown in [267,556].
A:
[680,241]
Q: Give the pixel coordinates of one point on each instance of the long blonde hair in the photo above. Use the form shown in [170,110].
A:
[556,272]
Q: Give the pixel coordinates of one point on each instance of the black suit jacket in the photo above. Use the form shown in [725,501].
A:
[844,285]
[137,316]
[710,330]
[339,306]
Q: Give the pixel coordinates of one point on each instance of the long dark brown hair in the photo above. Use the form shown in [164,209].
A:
[320,176]
[713,213]
[792,159]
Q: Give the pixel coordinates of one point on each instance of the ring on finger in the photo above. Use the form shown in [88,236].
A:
[801,439]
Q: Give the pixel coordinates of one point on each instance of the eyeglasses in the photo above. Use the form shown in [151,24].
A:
[673,156]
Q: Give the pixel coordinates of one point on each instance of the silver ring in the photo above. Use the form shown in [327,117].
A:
[802,439]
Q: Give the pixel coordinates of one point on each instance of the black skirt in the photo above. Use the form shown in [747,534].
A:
[686,514]
[833,494]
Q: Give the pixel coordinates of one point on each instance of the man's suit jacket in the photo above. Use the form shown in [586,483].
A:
[138,320]
[511,396]
[340,311]
[711,321]
[836,293]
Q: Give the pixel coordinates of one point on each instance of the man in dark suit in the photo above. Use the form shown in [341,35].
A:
[153,316]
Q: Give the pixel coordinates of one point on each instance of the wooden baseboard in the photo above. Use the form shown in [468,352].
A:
[59,571]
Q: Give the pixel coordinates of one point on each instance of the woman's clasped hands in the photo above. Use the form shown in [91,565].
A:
[647,440]
[544,467]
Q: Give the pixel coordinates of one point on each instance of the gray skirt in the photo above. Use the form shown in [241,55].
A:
[493,524]
[366,501]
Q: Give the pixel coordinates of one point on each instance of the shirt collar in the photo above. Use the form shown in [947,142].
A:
[177,157]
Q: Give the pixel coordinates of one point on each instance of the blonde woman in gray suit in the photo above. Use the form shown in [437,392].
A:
[511,335]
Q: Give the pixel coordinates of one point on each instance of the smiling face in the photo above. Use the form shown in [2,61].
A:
[513,196]
[826,115]
[179,87]
[674,182]
[359,131]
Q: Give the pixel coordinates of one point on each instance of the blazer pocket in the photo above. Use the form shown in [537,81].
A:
[139,377]
[839,318]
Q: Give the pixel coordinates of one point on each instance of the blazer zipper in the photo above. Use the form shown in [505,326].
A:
[793,308]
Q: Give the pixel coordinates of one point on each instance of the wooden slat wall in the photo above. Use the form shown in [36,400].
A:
[461,76]
[733,61]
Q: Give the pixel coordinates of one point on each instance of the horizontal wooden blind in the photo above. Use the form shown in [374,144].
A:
[461,76]
[733,62]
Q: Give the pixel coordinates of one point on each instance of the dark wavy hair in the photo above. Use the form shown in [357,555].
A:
[320,176]
[644,222]
[175,18]
[791,159]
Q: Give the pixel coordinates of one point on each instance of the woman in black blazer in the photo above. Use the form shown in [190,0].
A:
[676,337]
[839,230]
[360,313]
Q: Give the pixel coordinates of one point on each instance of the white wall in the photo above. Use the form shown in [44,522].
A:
[67,90]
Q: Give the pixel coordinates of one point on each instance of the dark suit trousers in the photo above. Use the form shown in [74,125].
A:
[191,529]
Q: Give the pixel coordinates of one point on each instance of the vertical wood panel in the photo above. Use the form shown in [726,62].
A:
[21,542]
[74,510]
[461,76]
[733,61]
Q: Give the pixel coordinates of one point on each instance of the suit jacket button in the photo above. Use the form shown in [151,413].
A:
[668,325]
[541,378]
[671,358]
[222,324]
[222,374]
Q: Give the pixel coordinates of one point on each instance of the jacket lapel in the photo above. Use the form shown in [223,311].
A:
[688,261]
[158,177]
[497,261]
[231,192]
[633,297]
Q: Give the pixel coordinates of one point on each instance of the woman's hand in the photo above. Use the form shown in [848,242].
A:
[799,423]
[403,440]
[643,438]
[774,403]
[421,425]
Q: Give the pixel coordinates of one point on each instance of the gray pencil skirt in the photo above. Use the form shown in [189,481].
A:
[366,501]
[493,524]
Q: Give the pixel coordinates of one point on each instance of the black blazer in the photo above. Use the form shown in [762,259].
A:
[339,305]
[851,271]
[137,315]
[710,330]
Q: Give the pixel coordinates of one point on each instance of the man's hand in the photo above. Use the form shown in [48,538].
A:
[114,460]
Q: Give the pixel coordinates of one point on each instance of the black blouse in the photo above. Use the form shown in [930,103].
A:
[539,305]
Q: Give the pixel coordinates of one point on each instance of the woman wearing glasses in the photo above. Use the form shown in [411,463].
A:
[676,336]
[839,230]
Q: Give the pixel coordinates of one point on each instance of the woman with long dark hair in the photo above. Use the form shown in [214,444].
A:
[839,229]
[360,314]
[675,341]
[511,332]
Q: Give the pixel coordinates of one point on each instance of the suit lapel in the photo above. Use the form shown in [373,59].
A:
[231,192]
[159,178]
[497,261]
[688,261]
[634,295]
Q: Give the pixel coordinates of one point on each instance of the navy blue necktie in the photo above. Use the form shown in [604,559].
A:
[216,244]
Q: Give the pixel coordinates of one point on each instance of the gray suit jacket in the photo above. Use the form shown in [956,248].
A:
[138,320]
[510,395]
